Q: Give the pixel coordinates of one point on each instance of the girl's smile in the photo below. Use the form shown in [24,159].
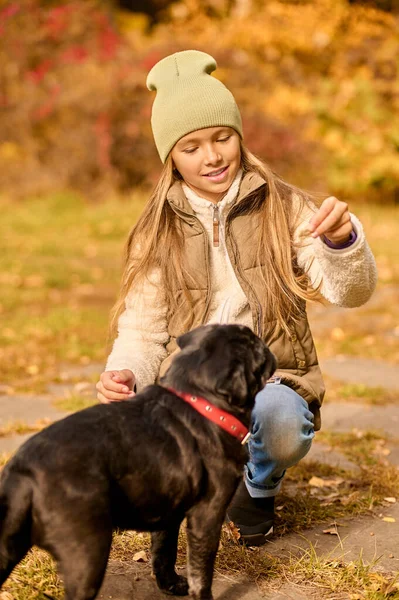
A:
[208,160]
[217,175]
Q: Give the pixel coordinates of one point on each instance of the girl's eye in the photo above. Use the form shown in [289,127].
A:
[224,139]
[189,150]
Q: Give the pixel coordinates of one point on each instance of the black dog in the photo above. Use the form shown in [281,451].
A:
[143,464]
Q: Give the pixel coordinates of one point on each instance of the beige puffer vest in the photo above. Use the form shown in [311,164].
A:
[296,355]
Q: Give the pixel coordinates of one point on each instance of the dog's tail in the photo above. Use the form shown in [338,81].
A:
[15,520]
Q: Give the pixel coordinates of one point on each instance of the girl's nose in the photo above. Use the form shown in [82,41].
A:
[212,155]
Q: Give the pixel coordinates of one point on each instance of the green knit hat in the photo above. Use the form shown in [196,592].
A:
[188,98]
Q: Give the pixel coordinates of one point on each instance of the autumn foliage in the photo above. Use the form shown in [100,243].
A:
[316,82]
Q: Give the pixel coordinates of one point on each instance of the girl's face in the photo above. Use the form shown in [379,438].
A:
[208,160]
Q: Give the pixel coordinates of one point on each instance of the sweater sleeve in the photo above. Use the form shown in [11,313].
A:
[347,276]
[142,332]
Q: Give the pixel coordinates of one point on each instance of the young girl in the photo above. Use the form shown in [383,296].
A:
[224,239]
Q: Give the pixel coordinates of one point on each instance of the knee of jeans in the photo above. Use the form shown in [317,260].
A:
[283,424]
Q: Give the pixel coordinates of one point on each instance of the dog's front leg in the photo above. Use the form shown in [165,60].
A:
[164,551]
[203,533]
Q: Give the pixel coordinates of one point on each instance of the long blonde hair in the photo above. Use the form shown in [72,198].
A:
[158,236]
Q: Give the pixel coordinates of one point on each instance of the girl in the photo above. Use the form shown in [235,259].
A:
[224,239]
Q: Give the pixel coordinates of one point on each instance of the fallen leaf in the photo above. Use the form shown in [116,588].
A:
[389,520]
[331,531]
[382,451]
[390,499]
[140,556]
[232,531]
[319,482]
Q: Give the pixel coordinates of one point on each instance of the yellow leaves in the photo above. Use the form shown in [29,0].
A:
[10,151]
[128,21]
[331,530]
[287,101]
[232,531]
[8,333]
[140,556]
[389,520]
[320,483]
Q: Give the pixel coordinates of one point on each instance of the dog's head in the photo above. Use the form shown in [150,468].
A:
[228,362]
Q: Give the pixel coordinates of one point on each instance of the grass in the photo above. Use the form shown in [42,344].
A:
[338,391]
[74,402]
[324,576]
[18,427]
[4,458]
[60,267]
[380,223]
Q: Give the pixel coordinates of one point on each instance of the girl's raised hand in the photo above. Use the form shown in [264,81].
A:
[332,220]
[115,386]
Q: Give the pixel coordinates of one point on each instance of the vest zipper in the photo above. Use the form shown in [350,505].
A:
[216,225]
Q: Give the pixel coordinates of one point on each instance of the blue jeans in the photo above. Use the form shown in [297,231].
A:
[281,434]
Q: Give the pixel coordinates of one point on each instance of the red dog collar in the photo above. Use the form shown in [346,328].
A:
[216,415]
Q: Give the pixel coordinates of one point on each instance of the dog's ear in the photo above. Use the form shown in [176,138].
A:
[184,340]
[236,385]
[194,337]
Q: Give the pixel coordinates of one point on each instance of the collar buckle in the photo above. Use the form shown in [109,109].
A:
[246,438]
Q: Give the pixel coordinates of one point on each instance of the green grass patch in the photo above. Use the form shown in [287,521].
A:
[4,458]
[380,224]
[337,391]
[33,578]
[324,576]
[60,269]
[74,402]
[20,428]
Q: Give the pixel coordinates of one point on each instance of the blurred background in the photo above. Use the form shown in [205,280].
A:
[317,84]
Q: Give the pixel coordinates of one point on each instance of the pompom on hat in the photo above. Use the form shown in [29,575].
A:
[188,98]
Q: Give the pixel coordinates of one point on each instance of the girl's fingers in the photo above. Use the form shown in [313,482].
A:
[109,383]
[102,398]
[340,233]
[337,217]
[324,210]
[107,393]
[330,224]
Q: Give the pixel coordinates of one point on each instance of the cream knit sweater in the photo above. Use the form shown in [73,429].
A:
[348,278]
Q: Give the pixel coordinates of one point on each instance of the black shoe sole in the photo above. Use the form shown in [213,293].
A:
[252,539]
[256,539]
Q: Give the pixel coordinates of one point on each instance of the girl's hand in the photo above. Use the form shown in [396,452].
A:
[332,220]
[115,386]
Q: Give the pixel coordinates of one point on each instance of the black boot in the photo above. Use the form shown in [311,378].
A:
[253,517]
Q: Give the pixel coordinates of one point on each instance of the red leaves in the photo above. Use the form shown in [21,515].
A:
[57,21]
[37,74]
[102,128]
[48,106]
[74,55]
[6,13]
